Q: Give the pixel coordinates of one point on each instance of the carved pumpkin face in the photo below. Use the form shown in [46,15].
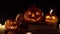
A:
[10,24]
[33,15]
[51,19]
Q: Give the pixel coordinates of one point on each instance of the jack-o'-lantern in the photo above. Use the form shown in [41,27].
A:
[51,18]
[10,24]
[33,14]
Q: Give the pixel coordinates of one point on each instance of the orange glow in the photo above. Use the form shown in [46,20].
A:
[33,14]
[47,17]
[37,13]
[51,19]
[28,33]
[29,13]
[32,20]
[10,24]
[11,27]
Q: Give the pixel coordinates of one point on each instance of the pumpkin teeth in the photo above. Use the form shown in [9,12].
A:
[11,27]
[33,20]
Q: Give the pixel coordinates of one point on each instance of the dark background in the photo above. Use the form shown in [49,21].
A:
[9,9]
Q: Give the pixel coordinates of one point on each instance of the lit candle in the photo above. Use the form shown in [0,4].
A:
[59,27]
[2,29]
[28,33]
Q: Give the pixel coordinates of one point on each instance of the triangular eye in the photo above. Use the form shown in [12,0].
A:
[47,17]
[29,13]
[37,13]
[53,17]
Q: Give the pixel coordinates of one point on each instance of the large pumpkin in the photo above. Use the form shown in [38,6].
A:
[52,19]
[10,24]
[33,15]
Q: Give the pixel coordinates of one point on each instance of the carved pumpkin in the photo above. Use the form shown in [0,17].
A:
[10,24]
[33,15]
[51,18]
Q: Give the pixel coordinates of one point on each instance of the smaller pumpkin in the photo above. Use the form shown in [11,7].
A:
[10,24]
[52,19]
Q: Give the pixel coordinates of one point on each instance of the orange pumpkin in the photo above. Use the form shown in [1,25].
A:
[33,15]
[10,24]
[52,19]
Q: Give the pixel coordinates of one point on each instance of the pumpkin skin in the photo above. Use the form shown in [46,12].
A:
[10,24]
[33,15]
[52,19]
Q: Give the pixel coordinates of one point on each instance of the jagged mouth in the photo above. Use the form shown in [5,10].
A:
[12,27]
[32,19]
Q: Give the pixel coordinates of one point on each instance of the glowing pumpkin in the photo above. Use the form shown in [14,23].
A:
[51,19]
[10,24]
[33,15]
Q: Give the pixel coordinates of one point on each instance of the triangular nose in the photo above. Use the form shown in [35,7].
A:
[33,15]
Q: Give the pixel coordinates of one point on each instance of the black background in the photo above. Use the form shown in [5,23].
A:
[10,8]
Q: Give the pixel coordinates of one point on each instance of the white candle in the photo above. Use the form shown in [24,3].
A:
[2,29]
[59,27]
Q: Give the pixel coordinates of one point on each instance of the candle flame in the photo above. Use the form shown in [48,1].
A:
[0,24]
[51,11]
[28,33]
